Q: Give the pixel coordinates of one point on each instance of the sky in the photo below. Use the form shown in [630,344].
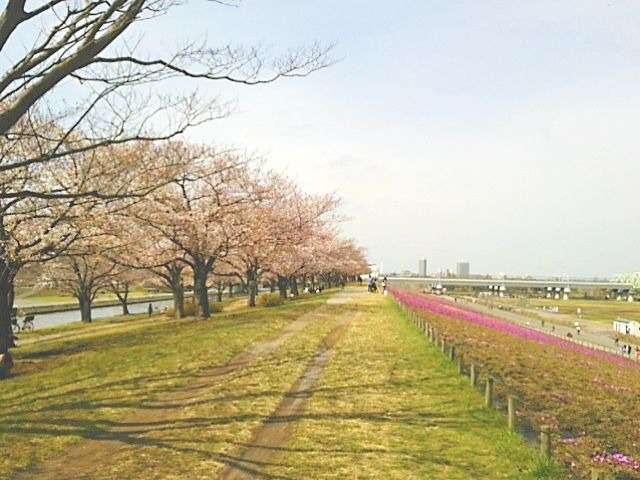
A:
[500,132]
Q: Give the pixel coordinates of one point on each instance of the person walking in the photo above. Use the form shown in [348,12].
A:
[150,309]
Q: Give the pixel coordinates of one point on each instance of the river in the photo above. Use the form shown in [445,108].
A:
[43,320]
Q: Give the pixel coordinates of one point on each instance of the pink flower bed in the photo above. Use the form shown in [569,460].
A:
[441,307]
[589,397]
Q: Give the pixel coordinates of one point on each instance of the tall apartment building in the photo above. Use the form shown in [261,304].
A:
[422,267]
[462,270]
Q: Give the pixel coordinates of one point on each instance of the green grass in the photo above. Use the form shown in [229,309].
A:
[206,430]
[389,406]
[77,327]
[603,311]
[76,389]
[95,324]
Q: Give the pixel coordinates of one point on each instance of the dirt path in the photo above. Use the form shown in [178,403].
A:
[592,332]
[80,461]
[277,429]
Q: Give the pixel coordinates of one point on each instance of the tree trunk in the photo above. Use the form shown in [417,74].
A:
[178,300]
[272,286]
[200,290]
[6,334]
[11,296]
[252,286]
[253,293]
[84,300]
[293,282]
[230,290]
[123,298]
[173,278]
[219,290]
[282,286]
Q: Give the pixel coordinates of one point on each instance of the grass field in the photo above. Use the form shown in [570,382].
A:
[588,398]
[603,311]
[97,324]
[153,400]
[78,389]
[391,407]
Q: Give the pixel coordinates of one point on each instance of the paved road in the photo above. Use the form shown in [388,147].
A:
[591,332]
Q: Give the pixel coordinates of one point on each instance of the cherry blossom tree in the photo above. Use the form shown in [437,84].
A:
[149,255]
[121,283]
[37,228]
[200,213]
[57,46]
[276,228]
[335,260]
[88,47]
[83,275]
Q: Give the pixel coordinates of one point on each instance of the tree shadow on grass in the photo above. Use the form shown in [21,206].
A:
[138,434]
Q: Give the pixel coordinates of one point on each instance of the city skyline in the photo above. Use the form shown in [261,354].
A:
[453,270]
[481,144]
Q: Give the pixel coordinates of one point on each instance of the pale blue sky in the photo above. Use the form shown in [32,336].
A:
[502,132]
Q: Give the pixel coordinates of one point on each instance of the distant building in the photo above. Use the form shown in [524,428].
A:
[462,270]
[422,267]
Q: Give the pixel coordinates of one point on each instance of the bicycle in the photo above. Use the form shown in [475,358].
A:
[27,323]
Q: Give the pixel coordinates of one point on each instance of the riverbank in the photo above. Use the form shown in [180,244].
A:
[73,305]
[594,335]
[341,373]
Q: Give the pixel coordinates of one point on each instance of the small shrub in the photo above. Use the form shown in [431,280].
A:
[216,307]
[190,309]
[269,300]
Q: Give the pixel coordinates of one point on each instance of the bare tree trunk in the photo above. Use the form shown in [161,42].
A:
[123,298]
[6,334]
[219,290]
[282,286]
[230,289]
[200,290]
[252,285]
[272,286]
[173,278]
[84,300]
[178,301]
[11,296]
[293,282]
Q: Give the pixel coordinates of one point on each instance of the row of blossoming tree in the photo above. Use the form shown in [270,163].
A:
[192,216]
[87,194]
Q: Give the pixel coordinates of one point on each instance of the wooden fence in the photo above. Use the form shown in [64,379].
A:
[544,435]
